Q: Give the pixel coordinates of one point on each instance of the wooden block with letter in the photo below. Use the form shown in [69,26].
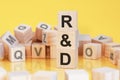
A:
[114,55]
[44,75]
[17,53]
[3,74]
[76,75]
[2,54]
[102,39]
[49,37]
[19,75]
[108,46]
[105,73]
[67,20]
[83,39]
[92,51]
[67,39]
[67,58]
[23,33]
[38,50]
[40,29]
[9,40]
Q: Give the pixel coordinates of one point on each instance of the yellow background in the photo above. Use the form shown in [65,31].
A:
[94,16]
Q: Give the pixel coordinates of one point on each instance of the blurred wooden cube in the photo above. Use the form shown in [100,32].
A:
[92,51]
[44,75]
[67,58]
[9,39]
[51,51]
[17,53]
[67,20]
[3,74]
[40,29]
[2,52]
[38,50]
[108,46]
[49,37]
[19,75]
[102,39]
[76,75]
[105,73]
[83,39]
[28,49]
[23,33]
[114,55]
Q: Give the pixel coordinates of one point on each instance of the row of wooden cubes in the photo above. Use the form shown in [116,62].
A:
[99,46]
[104,73]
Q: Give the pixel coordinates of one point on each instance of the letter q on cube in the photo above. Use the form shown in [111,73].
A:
[92,51]
[17,53]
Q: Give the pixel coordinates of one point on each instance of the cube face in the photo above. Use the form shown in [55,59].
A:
[45,75]
[92,51]
[83,39]
[108,47]
[76,75]
[38,50]
[44,26]
[67,20]
[23,33]
[103,39]
[49,37]
[9,39]
[21,75]
[65,40]
[114,55]
[23,29]
[17,53]
[67,58]
[2,54]
[105,73]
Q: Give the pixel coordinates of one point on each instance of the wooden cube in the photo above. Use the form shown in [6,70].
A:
[102,39]
[18,66]
[49,37]
[67,39]
[40,29]
[67,20]
[51,51]
[45,75]
[76,75]
[19,75]
[67,58]
[92,51]
[105,73]
[17,53]
[9,39]
[108,46]
[83,39]
[118,64]
[3,74]
[2,53]
[23,33]
[38,50]
[114,55]
[28,49]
